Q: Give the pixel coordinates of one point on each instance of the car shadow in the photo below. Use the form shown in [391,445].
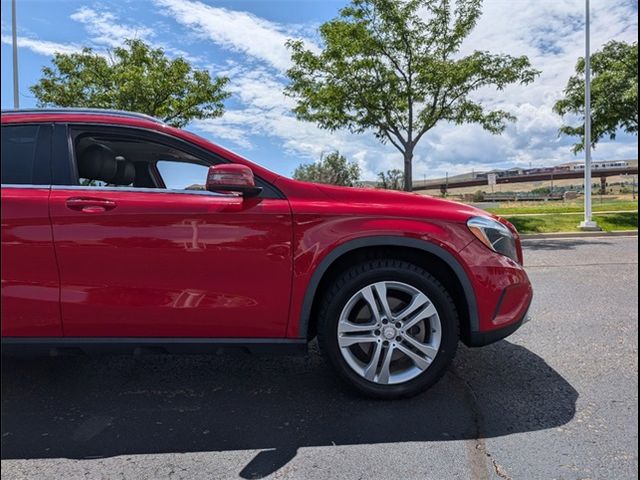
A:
[81,408]
[564,244]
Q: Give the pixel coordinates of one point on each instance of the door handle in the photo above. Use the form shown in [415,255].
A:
[90,205]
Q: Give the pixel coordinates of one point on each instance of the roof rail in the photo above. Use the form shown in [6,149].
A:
[85,111]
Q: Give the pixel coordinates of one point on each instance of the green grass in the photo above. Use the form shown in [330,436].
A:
[563,207]
[569,223]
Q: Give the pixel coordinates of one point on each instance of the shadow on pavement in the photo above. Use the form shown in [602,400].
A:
[564,244]
[86,408]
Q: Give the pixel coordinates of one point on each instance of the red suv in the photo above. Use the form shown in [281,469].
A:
[120,233]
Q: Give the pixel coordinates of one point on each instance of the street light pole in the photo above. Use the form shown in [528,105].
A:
[446,184]
[587,223]
[14,41]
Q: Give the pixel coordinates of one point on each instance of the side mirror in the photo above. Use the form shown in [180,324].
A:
[231,177]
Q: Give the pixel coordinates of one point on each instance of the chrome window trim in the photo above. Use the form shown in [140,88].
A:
[24,185]
[119,189]
[140,190]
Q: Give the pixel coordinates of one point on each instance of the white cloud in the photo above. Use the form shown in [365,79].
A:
[42,47]
[234,30]
[225,130]
[108,30]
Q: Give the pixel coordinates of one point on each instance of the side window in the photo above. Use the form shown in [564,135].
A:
[106,156]
[119,157]
[182,175]
[19,150]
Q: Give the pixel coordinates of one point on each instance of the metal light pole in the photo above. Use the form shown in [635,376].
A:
[446,184]
[14,40]
[587,223]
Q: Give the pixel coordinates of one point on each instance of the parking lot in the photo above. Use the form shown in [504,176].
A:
[558,399]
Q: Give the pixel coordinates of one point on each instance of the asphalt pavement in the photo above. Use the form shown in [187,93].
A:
[558,399]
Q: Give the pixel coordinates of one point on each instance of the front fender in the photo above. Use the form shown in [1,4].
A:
[308,272]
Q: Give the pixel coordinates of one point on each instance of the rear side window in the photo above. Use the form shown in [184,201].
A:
[25,155]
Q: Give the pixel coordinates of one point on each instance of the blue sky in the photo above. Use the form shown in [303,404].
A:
[244,40]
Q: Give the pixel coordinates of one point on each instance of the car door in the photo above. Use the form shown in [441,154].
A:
[30,283]
[168,262]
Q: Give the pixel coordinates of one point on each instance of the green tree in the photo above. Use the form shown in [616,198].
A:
[134,77]
[394,68]
[391,179]
[333,169]
[478,196]
[614,94]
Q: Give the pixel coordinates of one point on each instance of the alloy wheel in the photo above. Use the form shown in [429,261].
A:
[389,332]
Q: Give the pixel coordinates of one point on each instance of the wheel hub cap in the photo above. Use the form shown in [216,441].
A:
[389,333]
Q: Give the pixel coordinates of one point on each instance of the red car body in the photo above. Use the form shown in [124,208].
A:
[88,266]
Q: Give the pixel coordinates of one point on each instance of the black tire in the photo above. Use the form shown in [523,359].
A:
[369,272]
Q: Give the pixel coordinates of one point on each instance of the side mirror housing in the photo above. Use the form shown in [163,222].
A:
[232,177]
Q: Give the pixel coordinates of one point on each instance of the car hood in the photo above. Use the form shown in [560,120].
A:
[380,201]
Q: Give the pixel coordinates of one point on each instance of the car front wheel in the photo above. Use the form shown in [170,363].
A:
[389,328]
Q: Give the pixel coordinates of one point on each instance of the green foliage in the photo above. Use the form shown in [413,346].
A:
[394,68]
[614,94]
[571,206]
[541,191]
[333,169]
[478,196]
[391,180]
[569,223]
[134,77]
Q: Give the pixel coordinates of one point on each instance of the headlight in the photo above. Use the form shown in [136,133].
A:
[494,235]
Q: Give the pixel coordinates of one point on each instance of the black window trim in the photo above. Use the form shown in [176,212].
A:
[26,185]
[211,158]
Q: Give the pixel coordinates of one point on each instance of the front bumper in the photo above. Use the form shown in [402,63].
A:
[502,291]
[480,339]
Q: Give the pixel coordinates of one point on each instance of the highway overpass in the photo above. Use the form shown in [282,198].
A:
[537,177]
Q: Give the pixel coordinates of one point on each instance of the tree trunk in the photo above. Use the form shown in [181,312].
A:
[408,169]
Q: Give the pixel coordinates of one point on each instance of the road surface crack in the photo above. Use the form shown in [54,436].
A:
[480,456]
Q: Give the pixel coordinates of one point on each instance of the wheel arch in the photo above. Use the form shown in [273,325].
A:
[437,260]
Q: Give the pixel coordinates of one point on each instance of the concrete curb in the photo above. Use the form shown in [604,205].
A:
[561,235]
